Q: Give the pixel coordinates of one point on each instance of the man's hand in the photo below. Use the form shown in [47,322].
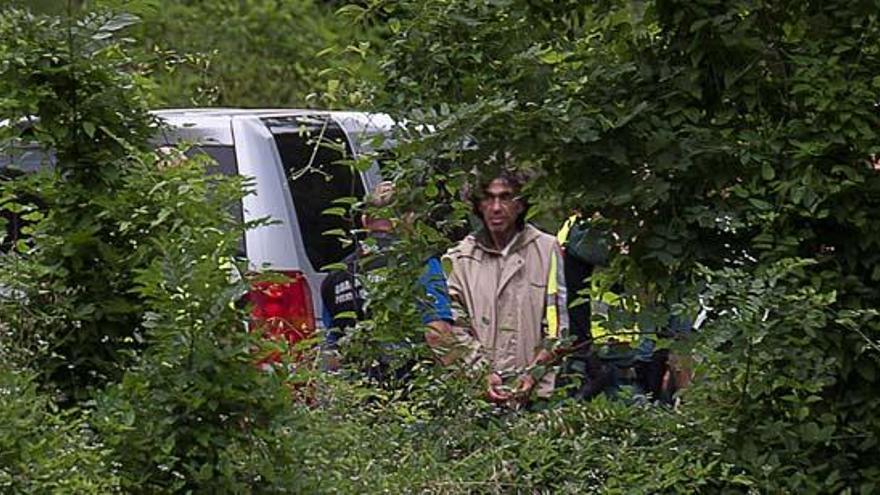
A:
[440,339]
[524,386]
[496,391]
[439,333]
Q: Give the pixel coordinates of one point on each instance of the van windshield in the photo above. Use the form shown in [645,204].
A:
[313,150]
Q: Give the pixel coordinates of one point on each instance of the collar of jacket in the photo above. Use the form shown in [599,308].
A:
[481,242]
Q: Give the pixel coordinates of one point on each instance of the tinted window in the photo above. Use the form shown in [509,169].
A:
[27,158]
[222,156]
[224,162]
[312,150]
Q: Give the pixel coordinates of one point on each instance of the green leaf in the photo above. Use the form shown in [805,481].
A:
[345,200]
[33,216]
[332,267]
[353,10]
[89,129]
[447,265]
[656,242]
[868,370]
[431,190]
[116,23]
[336,211]
[551,57]
[760,204]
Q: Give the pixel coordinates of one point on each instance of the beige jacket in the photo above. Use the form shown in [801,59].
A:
[501,297]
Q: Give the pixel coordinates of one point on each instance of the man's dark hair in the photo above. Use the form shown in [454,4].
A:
[516,181]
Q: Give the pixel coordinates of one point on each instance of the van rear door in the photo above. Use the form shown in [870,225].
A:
[297,162]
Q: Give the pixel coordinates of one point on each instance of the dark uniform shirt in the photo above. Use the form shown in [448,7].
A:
[344,295]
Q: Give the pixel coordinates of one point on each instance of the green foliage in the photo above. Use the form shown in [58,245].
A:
[122,291]
[254,53]
[776,385]
[194,412]
[709,136]
[725,143]
[43,449]
[443,439]
[69,86]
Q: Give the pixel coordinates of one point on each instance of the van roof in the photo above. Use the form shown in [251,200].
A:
[212,125]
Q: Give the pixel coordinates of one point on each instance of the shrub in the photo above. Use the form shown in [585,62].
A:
[69,92]
[44,449]
[194,412]
[122,293]
[713,138]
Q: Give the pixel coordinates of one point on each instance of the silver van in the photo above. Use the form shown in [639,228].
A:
[293,157]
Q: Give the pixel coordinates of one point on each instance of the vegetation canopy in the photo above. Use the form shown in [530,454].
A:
[729,146]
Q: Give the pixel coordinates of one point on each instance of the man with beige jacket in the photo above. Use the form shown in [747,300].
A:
[508,292]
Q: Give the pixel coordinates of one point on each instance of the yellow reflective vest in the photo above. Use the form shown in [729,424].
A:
[601,301]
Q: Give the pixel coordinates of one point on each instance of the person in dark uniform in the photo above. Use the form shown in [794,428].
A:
[584,248]
[344,295]
[605,362]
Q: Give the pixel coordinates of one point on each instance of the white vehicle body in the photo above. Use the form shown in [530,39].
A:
[272,146]
[265,143]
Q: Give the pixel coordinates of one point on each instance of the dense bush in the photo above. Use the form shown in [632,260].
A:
[254,53]
[121,297]
[727,144]
[44,449]
[194,412]
[242,53]
[69,87]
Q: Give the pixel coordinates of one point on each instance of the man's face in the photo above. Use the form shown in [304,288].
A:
[500,208]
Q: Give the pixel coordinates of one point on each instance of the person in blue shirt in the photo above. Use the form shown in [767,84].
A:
[344,295]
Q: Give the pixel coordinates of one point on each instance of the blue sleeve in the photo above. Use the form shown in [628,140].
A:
[436,305]
[326,317]
[330,337]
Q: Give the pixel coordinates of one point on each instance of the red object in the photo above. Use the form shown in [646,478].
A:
[283,309]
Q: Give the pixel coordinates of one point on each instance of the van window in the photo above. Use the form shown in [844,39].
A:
[25,157]
[312,149]
[223,157]
[223,162]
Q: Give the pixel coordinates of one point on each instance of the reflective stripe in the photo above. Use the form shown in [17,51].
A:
[562,235]
[552,314]
[601,303]
[552,311]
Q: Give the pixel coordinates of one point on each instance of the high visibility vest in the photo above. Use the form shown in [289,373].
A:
[551,312]
[600,300]
[562,235]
